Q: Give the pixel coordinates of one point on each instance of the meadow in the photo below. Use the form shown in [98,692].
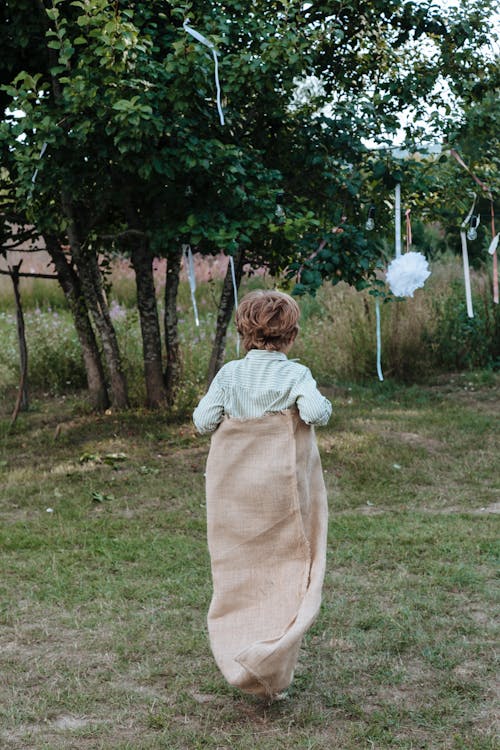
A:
[105,577]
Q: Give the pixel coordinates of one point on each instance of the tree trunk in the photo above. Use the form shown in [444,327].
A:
[226,306]
[70,284]
[22,401]
[88,270]
[174,362]
[142,262]
[93,294]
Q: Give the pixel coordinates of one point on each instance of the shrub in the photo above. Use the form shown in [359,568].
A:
[462,343]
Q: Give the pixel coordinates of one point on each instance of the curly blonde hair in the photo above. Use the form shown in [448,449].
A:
[267,320]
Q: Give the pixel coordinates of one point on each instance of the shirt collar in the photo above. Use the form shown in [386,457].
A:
[265,354]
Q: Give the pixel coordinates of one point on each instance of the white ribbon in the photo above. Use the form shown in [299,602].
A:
[35,173]
[189,267]
[397,219]
[397,243]
[465,259]
[379,341]
[235,292]
[200,38]
[494,244]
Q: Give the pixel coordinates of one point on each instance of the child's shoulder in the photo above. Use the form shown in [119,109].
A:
[296,366]
[227,369]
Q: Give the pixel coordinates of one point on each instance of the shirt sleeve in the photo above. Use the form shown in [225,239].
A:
[313,408]
[210,411]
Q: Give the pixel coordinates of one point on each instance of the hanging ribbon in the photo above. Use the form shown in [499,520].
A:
[465,259]
[397,244]
[189,268]
[379,341]
[235,292]
[35,173]
[493,251]
[488,192]
[200,38]
[397,219]
[408,230]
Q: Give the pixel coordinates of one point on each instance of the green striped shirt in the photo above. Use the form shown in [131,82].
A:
[262,382]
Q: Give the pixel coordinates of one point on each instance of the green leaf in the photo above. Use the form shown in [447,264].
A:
[101,497]
[52,13]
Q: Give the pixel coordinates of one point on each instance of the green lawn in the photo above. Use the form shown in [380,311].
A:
[103,597]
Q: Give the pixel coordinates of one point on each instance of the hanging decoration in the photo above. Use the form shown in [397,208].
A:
[494,244]
[409,239]
[235,292]
[472,230]
[35,173]
[187,254]
[280,211]
[370,221]
[408,272]
[200,38]
[405,273]
[397,219]
[464,233]
[370,226]
[379,340]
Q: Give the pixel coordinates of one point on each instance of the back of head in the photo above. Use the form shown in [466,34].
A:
[267,319]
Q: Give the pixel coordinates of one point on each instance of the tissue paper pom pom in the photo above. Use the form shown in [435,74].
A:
[407,273]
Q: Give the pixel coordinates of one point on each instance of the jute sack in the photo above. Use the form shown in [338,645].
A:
[267,525]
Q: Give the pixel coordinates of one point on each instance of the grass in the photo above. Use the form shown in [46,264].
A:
[103,597]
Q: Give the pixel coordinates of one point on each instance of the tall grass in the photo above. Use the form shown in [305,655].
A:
[422,336]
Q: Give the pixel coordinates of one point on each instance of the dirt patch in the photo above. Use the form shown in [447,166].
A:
[464,390]
[70,722]
[413,439]
[493,508]
[362,510]
[484,510]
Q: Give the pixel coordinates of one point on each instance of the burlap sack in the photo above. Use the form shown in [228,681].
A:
[267,524]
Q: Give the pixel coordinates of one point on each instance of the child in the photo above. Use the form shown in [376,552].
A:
[266,500]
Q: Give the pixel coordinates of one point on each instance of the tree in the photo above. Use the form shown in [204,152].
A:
[125,99]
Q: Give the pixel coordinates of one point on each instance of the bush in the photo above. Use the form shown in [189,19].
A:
[55,361]
[463,343]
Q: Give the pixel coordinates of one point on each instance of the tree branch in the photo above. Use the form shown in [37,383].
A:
[30,275]
[122,235]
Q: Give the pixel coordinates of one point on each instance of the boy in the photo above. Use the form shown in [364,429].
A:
[266,499]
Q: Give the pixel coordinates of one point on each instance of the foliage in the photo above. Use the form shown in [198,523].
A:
[134,119]
[125,100]
[467,343]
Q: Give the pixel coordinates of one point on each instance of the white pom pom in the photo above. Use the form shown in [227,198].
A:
[407,273]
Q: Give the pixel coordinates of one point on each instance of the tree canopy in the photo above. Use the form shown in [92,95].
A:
[124,99]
